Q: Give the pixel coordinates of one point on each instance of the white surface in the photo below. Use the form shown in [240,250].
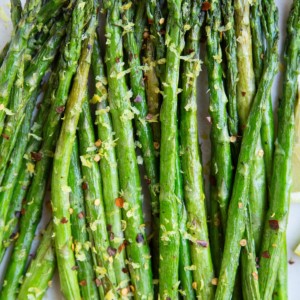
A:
[293,233]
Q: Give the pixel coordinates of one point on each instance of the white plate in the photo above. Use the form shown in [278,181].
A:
[293,233]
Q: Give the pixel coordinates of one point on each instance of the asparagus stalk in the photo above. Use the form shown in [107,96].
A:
[41,269]
[191,163]
[152,89]
[15,11]
[86,276]
[19,173]
[12,171]
[94,200]
[239,198]
[245,96]
[221,163]
[156,21]
[277,214]
[185,264]
[143,128]
[139,23]
[37,189]
[108,168]
[281,286]
[32,79]
[3,53]
[60,189]
[138,253]
[169,234]
[231,73]
[32,15]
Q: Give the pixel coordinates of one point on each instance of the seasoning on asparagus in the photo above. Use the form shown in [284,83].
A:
[130,198]
[239,198]
[61,163]
[194,198]
[39,275]
[276,218]
[109,169]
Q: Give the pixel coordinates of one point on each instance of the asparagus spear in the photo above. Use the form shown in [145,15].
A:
[39,64]
[108,168]
[185,264]
[277,214]
[281,286]
[191,165]
[3,53]
[221,163]
[83,256]
[15,11]
[94,200]
[18,176]
[32,78]
[152,89]
[169,234]
[11,174]
[245,96]
[138,253]
[143,128]
[238,203]
[37,189]
[60,189]
[231,72]
[41,269]
[139,23]
[32,15]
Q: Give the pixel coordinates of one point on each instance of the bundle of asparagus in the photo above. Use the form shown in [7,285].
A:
[102,134]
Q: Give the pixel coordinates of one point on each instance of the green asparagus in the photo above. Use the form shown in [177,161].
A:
[61,163]
[130,200]
[191,164]
[41,269]
[276,218]
[86,276]
[108,168]
[239,198]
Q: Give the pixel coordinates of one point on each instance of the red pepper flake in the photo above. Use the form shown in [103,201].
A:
[23,211]
[291,261]
[119,202]
[74,268]
[125,270]
[266,254]
[60,109]
[111,251]
[5,136]
[36,156]
[98,282]
[274,224]
[203,244]
[80,215]
[64,220]
[205,6]
[140,238]
[122,246]
[150,21]
[83,283]
[84,186]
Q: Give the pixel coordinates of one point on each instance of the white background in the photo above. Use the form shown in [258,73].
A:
[293,233]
